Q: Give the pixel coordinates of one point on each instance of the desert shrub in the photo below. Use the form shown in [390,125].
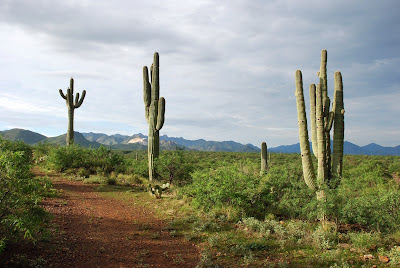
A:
[129,179]
[324,239]
[364,240]
[111,181]
[376,208]
[369,197]
[101,160]
[17,146]
[105,160]
[173,167]
[20,193]
[227,186]
[62,158]
[289,196]
[139,167]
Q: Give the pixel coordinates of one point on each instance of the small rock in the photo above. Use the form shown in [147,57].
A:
[384,259]
[368,257]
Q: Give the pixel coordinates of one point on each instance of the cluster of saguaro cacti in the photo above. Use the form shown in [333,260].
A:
[71,105]
[154,110]
[322,120]
[264,162]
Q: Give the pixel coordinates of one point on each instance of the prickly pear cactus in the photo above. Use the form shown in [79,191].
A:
[154,111]
[71,105]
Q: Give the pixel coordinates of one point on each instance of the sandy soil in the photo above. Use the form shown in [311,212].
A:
[95,231]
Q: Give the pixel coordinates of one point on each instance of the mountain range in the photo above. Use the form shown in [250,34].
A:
[139,142]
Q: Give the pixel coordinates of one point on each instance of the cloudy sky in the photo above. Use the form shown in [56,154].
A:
[226,67]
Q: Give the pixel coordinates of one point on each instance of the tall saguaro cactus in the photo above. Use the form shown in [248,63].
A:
[154,111]
[264,163]
[71,105]
[322,120]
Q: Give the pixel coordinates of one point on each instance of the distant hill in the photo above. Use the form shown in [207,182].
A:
[26,136]
[78,139]
[348,148]
[213,146]
[123,142]
[139,142]
[104,138]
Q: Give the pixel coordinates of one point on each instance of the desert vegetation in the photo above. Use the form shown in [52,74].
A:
[241,213]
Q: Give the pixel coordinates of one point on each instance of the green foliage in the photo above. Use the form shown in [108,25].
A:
[20,193]
[364,240]
[368,196]
[393,254]
[101,160]
[173,167]
[2,244]
[111,181]
[226,186]
[324,239]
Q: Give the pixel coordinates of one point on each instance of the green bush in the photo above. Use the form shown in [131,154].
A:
[173,167]
[227,186]
[20,193]
[101,160]
[364,241]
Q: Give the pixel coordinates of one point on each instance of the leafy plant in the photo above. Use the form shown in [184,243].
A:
[20,193]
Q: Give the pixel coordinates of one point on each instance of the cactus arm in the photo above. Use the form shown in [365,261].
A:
[155,78]
[313,123]
[146,92]
[79,103]
[76,99]
[71,85]
[338,130]
[308,170]
[70,101]
[161,113]
[322,168]
[329,122]
[62,94]
[323,76]
[146,87]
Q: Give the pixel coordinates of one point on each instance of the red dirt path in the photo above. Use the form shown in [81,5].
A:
[96,231]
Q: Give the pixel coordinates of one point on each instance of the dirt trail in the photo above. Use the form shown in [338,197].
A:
[96,231]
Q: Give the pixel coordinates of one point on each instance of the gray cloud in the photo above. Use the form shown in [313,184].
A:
[227,67]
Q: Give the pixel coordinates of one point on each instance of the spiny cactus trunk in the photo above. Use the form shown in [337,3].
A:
[308,169]
[264,163]
[154,112]
[70,131]
[338,132]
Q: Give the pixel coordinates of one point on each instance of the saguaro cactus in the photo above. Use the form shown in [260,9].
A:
[264,163]
[154,111]
[322,119]
[71,105]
